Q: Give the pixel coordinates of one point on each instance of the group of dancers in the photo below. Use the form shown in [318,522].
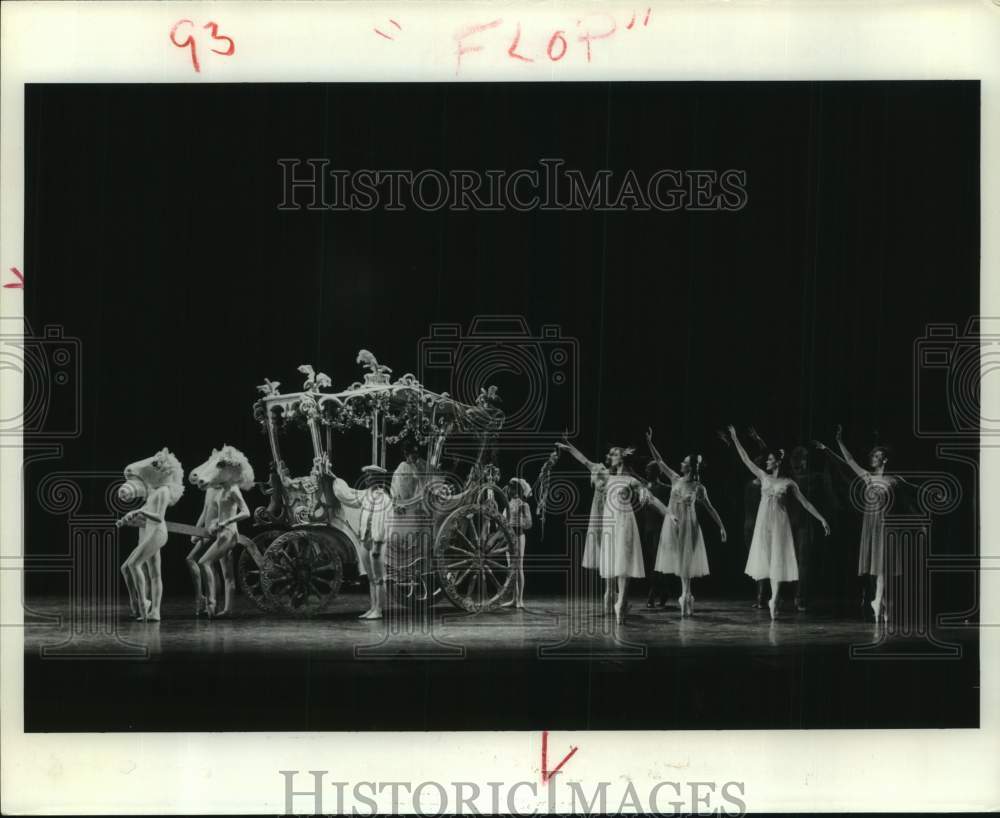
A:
[779,542]
[777,547]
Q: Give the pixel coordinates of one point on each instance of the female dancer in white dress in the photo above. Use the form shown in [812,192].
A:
[873,559]
[772,550]
[682,548]
[613,546]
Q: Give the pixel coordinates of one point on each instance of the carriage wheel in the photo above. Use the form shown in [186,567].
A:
[473,558]
[302,573]
[250,575]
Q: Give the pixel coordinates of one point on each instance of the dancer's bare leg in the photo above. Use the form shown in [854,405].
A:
[878,605]
[621,606]
[228,579]
[772,603]
[378,573]
[366,562]
[133,594]
[200,603]
[135,568]
[156,583]
[207,566]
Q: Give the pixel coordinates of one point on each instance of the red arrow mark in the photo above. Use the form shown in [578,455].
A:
[20,280]
[546,775]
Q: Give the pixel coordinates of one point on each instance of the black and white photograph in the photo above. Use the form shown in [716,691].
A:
[590,405]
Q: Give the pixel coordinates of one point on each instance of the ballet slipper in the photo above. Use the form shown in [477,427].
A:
[682,602]
[772,607]
[621,611]
[376,614]
[508,604]
[690,604]
[875,604]
[520,604]
[153,617]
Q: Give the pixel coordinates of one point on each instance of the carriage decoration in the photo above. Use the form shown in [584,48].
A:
[451,539]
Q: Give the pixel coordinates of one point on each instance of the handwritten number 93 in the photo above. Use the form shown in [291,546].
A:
[186,29]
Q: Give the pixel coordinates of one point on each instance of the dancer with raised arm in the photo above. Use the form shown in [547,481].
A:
[681,550]
[613,546]
[878,497]
[772,550]
[652,527]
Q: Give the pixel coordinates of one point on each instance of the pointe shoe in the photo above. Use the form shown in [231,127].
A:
[682,602]
[690,604]
[772,606]
[621,611]
[609,605]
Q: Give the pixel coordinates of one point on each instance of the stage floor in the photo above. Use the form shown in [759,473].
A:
[547,624]
[555,664]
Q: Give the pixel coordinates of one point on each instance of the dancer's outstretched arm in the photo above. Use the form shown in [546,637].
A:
[649,497]
[576,453]
[758,472]
[703,499]
[809,507]
[864,474]
[669,472]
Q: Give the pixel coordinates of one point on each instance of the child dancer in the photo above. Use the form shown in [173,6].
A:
[772,550]
[613,546]
[682,548]
[518,514]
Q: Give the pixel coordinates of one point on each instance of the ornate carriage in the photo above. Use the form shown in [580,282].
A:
[451,538]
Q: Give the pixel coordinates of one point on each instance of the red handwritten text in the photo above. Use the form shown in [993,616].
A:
[15,285]
[188,30]
[554,44]
[546,773]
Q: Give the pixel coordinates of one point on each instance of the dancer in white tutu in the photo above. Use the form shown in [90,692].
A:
[772,550]
[613,546]
[681,551]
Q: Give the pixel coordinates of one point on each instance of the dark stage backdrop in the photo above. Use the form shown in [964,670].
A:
[153,236]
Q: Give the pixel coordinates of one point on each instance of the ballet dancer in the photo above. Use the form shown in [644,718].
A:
[772,550]
[613,546]
[160,481]
[681,549]
[879,494]
[230,473]
[518,515]
[209,514]
[652,526]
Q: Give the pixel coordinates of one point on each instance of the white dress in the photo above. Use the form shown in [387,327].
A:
[682,548]
[772,550]
[613,546]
